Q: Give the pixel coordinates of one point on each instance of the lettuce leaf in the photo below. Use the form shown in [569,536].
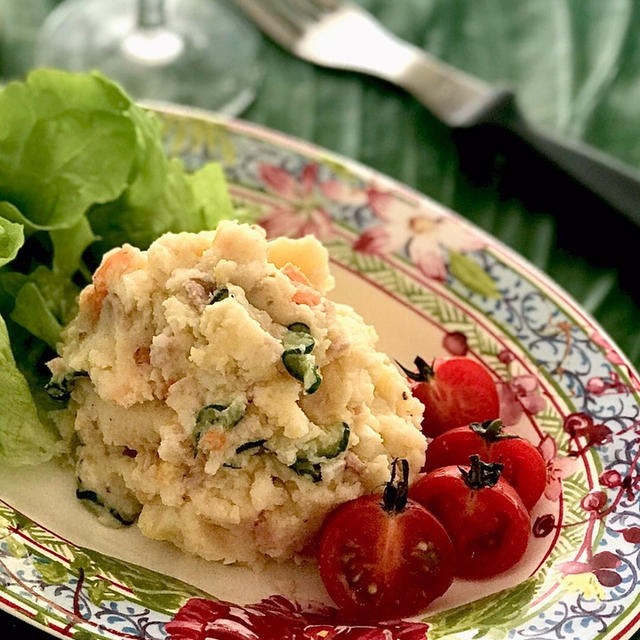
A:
[82,169]
[24,439]
[11,236]
[211,195]
[58,157]
[32,313]
[162,196]
[69,245]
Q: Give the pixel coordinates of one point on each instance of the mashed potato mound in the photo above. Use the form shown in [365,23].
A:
[221,401]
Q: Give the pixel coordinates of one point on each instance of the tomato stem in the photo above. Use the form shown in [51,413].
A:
[491,430]
[481,474]
[424,371]
[396,492]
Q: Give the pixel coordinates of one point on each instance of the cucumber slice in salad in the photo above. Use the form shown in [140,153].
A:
[329,445]
[334,442]
[125,513]
[218,416]
[304,467]
[219,294]
[59,388]
[303,367]
[298,339]
[297,359]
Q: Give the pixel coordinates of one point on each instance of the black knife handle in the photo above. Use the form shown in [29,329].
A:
[499,128]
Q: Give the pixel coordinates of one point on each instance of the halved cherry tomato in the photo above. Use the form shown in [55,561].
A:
[454,391]
[524,467]
[385,557]
[486,519]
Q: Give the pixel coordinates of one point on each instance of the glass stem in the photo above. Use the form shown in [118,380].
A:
[151,14]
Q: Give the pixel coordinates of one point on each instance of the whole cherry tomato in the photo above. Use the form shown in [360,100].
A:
[486,519]
[524,467]
[455,392]
[385,557]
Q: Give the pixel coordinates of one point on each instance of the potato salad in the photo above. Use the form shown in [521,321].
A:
[219,399]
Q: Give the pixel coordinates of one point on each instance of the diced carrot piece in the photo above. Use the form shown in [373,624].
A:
[213,440]
[295,275]
[111,269]
[306,296]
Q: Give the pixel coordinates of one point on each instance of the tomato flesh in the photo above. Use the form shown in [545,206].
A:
[380,565]
[524,467]
[489,527]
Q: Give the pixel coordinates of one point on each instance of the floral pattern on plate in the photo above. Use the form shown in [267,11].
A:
[556,372]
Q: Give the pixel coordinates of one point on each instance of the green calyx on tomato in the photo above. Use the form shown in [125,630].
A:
[491,430]
[524,467]
[488,524]
[396,491]
[424,371]
[481,474]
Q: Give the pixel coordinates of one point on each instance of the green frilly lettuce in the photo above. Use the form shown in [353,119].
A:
[82,169]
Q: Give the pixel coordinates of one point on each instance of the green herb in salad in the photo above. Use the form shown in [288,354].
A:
[82,169]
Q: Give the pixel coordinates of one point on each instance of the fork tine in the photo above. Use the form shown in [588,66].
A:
[299,13]
[313,9]
[273,18]
[325,6]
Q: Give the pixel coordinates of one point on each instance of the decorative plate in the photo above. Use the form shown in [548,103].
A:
[431,285]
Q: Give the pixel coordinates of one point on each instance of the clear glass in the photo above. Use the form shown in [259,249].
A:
[195,52]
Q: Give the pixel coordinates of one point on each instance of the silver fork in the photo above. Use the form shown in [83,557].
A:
[342,35]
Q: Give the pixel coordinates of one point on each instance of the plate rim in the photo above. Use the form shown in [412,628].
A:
[513,257]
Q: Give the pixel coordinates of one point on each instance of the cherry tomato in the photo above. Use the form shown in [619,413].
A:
[486,519]
[385,557]
[524,467]
[455,392]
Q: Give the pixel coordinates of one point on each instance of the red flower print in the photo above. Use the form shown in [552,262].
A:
[581,425]
[506,356]
[301,211]
[601,565]
[611,384]
[611,478]
[276,618]
[594,501]
[544,525]
[613,356]
[557,468]
[455,342]
[631,534]
[374,240]
[518,395]
[424,235]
